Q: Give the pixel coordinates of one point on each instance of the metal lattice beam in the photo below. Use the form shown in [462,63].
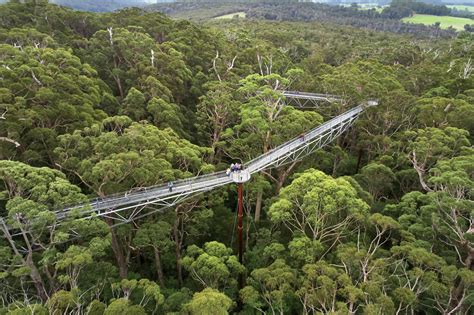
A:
[129,206]
[293,150]
[309,100]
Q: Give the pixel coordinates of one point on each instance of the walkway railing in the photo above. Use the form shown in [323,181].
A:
[161,197]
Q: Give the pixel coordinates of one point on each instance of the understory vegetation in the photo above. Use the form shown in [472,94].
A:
[380,221]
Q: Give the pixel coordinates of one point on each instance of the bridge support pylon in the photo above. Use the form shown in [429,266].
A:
[240,227]
[240,177]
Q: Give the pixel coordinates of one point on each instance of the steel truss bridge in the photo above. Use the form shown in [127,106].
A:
[138,203]
[309,100]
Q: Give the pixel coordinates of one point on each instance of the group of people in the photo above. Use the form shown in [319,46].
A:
[237,167]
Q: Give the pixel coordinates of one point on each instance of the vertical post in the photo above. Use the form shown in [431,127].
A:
[240,215]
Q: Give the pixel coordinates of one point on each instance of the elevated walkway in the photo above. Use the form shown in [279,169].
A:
[128,206]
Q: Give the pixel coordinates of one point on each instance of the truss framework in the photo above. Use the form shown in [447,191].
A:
[130,206]
[301,146]
[309,100]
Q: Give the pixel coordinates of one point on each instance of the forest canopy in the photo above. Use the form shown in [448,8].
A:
[379,221]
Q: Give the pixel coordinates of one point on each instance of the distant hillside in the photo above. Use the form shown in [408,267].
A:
[301,12]
[102,5]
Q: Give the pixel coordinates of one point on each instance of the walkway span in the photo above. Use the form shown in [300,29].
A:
[138,203]
[114,206]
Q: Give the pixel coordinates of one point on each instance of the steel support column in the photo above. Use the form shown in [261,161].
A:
[240,227]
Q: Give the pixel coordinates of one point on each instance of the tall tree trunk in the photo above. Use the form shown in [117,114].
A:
[283,175]
[159,268]
[36,277]
[359,160]
[258,206]
[214,140]
[178,242]
[118,251]
[469,261]
[335,164]
[53,287]
[28,262]
[119,86]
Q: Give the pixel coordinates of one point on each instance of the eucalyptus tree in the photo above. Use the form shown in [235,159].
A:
[266,122]
[139,294]
[320,207]
[440,112]
[213,266]
[435,256]
[156,236]
[359,81]
[208,301]
[452,182]
[45,92]
[129,57]
[120,155]
[426,146]
[270,289]
[217,110]
[336,246]
[378,179]
[31,195]
[27,37]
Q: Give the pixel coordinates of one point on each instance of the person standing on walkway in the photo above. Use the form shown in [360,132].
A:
[170,186]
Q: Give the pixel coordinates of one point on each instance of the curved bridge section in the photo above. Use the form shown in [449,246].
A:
[129,206]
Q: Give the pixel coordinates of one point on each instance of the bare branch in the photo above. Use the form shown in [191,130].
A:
[111,37]
[35,78]
[214,65]
[5,139]
[467,70]
[420,170]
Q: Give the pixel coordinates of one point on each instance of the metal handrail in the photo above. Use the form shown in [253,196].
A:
[187,186]
[220,178]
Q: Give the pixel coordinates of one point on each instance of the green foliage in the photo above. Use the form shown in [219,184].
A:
[377,179]
[96,308]
[118,155]
[45,92]
[209,301]
[62,302]
[441,111]
[123,307]
[319,206]
[122,57]
[142,291]
[360,81]
[177,300]
[213,266]
[28,309]
[100,104]
[265,121]
[153,234]
[271,287]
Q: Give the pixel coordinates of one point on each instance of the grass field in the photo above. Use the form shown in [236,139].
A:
[469,8]
[230,16]
[446,21]
[367,6]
